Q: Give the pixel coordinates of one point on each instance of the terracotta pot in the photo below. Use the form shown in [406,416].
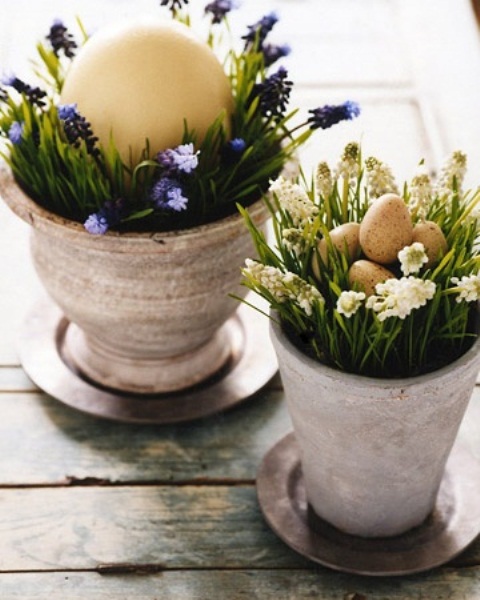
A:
[147,309]
[373,451]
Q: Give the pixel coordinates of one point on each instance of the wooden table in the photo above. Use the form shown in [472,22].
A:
[94,509]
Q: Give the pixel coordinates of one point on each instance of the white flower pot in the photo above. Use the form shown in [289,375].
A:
[373,451]
[146,309]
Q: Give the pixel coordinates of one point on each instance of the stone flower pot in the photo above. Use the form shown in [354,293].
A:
[146,310]
[373,451]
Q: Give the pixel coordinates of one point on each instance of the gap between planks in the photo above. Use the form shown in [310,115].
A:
[94,482]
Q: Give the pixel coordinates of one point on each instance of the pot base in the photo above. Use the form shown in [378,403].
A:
[251,363]
[105,367]
[452,526]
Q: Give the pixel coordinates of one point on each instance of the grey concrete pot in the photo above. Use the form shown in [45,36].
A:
[146,309]
[373,451]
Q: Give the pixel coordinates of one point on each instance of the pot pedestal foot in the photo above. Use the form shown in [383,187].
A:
[451,527]
[106,367]
[249,364]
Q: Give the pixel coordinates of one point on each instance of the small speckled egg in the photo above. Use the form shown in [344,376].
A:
[366,274]
[386,229]
[433,240]
[345,238]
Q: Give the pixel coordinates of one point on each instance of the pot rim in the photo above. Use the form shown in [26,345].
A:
[356,380]
[50,223]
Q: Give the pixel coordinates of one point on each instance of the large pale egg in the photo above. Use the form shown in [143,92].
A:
[386,229]
[142,79]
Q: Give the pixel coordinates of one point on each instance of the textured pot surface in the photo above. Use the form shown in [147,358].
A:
[373,450]
[146,307]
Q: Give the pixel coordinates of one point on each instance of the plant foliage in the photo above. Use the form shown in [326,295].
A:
[420,318]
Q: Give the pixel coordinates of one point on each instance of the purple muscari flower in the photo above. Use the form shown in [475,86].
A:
[329,115]
[109,215]
[174,5]
[61,39]
[237,145]
[233,149]
[67,111]
[77,128]
[34,94]
[274,94]
[219,9]
[8,80]
[15,132]
[96,224]
[272,52]
[167,193]
[181,159]
[258,32]
[176,201]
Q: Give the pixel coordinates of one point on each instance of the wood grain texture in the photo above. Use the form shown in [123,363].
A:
[14,379]
[238,585]
[164,527]
[175,527]
[43,442]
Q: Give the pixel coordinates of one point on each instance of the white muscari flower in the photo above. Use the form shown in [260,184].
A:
[294,240]
[380,179]
[324,181]
[268,277]
[349,168]
[421,192]
[349,302]
[294,199]
[283,286]
[454,168]
[398,297]
[412,258]
[468,287]
[303,294]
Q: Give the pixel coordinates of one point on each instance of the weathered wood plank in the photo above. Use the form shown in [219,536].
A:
[340,43]
[44,442]
[176,527]
[446,68]
[239,585]
[14,379]
[167,527]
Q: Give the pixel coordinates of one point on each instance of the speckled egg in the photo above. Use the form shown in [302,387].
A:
[366,274]
[345,238]
[433,240]
[386,229]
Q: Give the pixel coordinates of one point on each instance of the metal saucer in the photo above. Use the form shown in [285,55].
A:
[251,365]
[452,526]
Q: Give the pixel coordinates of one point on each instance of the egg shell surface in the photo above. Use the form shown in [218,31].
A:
[433,240]
[142,78]
[345,238]
[386,229]
[367,274]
